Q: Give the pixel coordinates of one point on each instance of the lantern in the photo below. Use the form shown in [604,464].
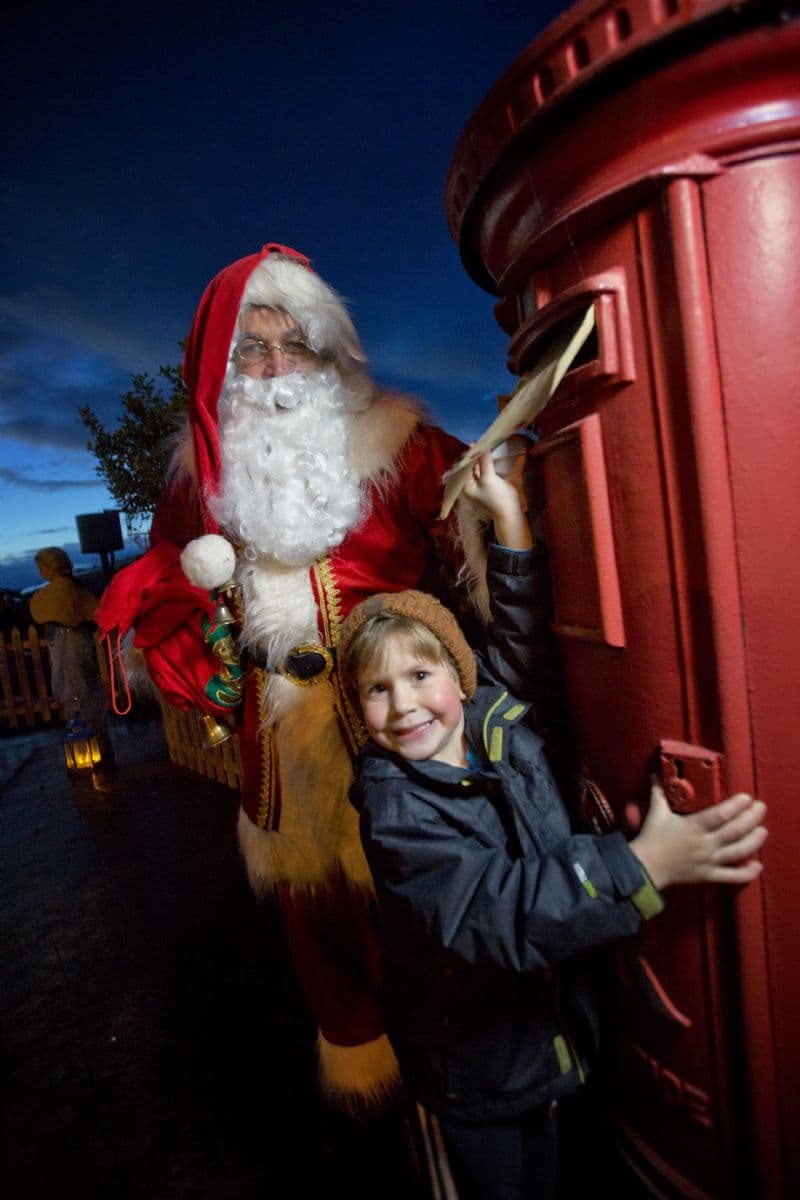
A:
[81,747]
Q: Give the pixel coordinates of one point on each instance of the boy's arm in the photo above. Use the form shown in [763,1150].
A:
[527,913]
[499,500]
[518,644]
[474,899]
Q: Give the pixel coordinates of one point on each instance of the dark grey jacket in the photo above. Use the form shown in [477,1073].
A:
[484,892]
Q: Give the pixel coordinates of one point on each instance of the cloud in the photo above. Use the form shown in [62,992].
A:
[440,349]
[52,312]
[53,359]
[35,432]
[454,371]
[20,479]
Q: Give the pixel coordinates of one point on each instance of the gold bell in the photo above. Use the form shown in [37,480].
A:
[215,732]
[223,615]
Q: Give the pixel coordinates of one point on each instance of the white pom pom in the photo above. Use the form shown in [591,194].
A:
[209,561]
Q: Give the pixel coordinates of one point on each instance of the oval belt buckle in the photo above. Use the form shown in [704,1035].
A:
[307,664]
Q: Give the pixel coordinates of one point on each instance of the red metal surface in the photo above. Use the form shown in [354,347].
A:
[645,158]
[692,775]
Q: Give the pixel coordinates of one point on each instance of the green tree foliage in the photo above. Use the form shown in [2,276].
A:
[133,458]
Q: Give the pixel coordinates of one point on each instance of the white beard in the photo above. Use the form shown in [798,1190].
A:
[287,491]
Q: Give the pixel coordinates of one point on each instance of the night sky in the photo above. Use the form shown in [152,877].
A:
[146,146]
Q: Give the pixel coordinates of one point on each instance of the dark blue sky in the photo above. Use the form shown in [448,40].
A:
[148,145]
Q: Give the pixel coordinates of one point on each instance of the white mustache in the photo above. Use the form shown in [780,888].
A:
[286,392]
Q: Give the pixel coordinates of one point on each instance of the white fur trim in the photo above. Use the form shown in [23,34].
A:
[209,561]
[182,461]
[472,534]
[133,664]
[181,452]
[358,1078]
[280,608]
[377,435]
[281,282]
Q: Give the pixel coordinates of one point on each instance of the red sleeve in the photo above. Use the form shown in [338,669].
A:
[153,596]
[429,454]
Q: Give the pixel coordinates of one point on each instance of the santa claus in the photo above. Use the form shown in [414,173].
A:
[312,488]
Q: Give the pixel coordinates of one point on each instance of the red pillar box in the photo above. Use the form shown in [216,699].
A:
[644,157]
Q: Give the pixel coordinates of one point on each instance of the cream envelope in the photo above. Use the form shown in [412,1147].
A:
[525,403]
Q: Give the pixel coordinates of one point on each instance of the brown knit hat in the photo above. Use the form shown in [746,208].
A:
[429,612]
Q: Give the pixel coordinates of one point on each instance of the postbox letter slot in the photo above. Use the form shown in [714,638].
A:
[611,360]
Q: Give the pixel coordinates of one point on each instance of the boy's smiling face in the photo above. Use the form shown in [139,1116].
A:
[413,706]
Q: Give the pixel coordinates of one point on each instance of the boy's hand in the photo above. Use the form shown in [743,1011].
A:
[499,499]
[711,846]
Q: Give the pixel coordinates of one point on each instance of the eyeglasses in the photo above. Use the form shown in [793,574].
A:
[252,350]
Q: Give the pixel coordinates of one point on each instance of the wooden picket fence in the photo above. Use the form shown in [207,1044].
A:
[184,736]
[26,697]
[27,702]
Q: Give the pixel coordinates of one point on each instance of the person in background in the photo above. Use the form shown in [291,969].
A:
[67,610]
[488,902]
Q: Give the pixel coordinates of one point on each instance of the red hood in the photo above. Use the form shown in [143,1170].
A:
[205,361]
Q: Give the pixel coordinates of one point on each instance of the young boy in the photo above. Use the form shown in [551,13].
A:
[487,899]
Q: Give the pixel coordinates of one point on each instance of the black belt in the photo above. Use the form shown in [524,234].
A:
[303,665]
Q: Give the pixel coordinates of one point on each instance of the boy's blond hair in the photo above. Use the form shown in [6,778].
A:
[370,643]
